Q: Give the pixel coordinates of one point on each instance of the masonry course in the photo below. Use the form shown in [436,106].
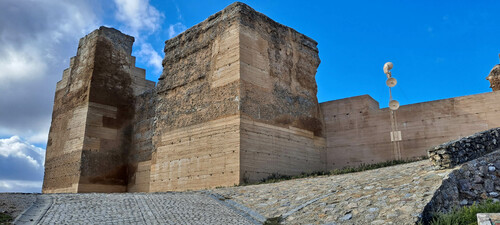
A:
[235,103]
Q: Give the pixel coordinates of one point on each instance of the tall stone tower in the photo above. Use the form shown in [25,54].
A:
[90,134]
[236,102]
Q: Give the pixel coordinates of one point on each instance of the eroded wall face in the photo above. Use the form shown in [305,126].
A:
[94,106]
[69,117]
[197,128]
[281,125]
[108,135]
[139,157]
[358,131]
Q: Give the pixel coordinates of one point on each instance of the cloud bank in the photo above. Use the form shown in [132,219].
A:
[37,39]
[21,166]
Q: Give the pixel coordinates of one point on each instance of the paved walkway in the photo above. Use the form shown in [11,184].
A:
[391,195]
[164,208]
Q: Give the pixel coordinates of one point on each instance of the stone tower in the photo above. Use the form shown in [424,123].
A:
[90,134]
[236,103]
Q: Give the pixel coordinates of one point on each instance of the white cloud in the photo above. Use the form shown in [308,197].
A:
[36,40]
[20,186]
[175,29]
[138,15]
[150,56]
[20,65]
[21,166]
[14,147]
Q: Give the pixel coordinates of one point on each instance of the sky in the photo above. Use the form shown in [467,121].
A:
[440,49]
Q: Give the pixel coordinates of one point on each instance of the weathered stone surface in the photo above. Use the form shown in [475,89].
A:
[465,149]
[467,184]
[139,157]
[90,133]
[236,102]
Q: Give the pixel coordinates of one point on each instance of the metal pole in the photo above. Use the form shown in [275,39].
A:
[395,134]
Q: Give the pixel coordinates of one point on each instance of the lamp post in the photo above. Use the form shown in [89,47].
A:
[393,106]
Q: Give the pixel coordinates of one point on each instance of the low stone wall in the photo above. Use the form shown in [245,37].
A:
[465,149]
[471,182]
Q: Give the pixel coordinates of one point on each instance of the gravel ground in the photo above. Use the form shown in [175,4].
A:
[14,204]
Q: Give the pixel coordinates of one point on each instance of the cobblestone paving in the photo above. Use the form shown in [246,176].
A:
[391,195]
[164,208]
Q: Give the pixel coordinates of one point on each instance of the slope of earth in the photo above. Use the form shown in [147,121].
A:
[390,195]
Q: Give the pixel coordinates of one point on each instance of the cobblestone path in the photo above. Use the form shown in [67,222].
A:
[163,208]
[390,195]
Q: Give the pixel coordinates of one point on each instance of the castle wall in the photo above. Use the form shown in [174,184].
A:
[281,125]
[358,131]
[69,117]
[268,149]
[91,134]
[197,129]
[236,102]
[236,77]
[139,157]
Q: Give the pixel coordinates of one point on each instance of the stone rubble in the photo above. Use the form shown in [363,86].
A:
[468,183]
[465,149]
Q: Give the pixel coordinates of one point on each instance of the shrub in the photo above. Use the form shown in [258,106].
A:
[466,215]
[5,219]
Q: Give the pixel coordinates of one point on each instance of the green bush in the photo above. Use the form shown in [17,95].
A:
[273,221]
[466,215]
[5,219]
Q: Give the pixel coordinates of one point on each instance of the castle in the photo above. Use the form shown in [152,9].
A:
[236,102]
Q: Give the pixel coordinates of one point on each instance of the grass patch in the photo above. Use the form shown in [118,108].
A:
[273,221]
[273,178]
[5,219]
[466,215]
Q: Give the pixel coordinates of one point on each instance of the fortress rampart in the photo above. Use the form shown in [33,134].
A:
[357,130]
[236,102]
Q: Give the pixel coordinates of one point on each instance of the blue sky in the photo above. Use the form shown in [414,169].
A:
[440,49]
